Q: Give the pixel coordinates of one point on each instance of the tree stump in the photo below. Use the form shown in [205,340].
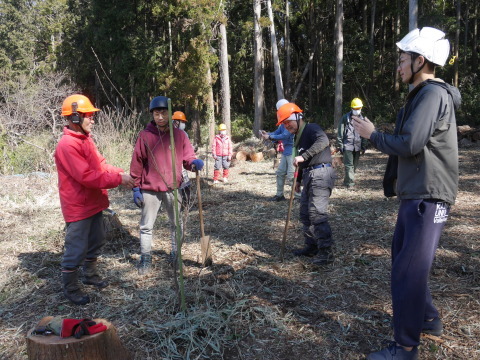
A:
[256,156]
[112,225]
[241,156]
[101,346]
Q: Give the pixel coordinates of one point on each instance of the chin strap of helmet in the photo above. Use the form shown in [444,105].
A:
[413,57]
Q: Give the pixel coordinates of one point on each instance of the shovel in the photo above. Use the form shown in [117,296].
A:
[204,240]
[292,195]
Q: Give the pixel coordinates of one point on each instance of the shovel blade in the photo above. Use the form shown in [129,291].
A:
[206,250]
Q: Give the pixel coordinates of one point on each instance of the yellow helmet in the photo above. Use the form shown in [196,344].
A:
[222,127]
[356,103]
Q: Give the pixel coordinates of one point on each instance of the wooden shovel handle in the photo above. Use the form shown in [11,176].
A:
[292,195]
[199,196]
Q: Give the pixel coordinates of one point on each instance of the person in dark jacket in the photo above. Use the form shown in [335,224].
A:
[83,177]
[317,176]
[424,147]
[349,143]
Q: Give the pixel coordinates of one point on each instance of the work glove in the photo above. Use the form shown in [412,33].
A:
[197,164]
[78,328]
[137,197]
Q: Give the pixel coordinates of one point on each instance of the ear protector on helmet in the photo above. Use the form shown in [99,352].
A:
[75,116]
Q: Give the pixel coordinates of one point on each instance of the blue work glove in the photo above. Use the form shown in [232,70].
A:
[137,197]
[197,164]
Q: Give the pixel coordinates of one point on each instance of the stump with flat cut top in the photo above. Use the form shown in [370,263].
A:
[101,346]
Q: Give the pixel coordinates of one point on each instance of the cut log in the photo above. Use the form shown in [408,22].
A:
[101,346]
[241,156]
[256,156]
[462,129]
[112,225]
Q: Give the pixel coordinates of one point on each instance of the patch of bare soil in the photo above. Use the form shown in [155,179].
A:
[248,304]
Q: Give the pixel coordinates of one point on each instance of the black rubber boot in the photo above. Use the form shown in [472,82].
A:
[71,288]
[91,274]
[324,257]
[309,250]
[145,265]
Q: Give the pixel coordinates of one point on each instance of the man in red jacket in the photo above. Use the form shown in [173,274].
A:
[152,170]
[83,177]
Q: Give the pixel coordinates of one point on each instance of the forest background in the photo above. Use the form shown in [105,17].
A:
[216,61]
[248,305]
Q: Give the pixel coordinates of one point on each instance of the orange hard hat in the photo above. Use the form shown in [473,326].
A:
[178,115]
[284,112]
[83,105]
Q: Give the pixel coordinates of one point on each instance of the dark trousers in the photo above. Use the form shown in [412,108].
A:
[83,240]
[317,188]
[415,240]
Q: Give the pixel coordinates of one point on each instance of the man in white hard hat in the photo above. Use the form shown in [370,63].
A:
[285,168]
[423,172]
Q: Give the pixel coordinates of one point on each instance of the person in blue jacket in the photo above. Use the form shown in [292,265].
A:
[285,168]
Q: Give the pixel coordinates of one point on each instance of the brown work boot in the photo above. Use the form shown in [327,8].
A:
[91,274]
[324,257]
[71,288]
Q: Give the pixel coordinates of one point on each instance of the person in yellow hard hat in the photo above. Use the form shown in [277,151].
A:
[349,142]
[222,153]
[83,177]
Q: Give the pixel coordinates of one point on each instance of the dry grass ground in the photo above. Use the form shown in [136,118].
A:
[248,305]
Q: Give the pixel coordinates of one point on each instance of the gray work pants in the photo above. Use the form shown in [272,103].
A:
[151,204]
[285,171]
[317,188]
[350,160]
[83,240]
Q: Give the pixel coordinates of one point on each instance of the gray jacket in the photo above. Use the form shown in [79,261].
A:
[425,141]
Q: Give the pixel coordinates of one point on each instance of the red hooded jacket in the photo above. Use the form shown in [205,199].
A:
[151,165]
[83,176]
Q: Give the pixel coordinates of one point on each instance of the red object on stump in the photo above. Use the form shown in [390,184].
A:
[105,345]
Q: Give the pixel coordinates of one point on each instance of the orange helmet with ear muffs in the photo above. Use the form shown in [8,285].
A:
[76,103]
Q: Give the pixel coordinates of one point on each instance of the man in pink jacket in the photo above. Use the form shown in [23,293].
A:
[83,176]
[222,153]
[152,170]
